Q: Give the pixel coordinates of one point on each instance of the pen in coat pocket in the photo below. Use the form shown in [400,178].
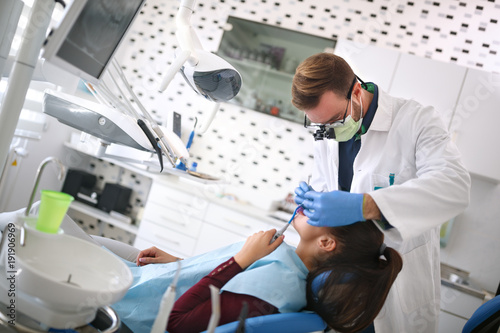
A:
[391,179]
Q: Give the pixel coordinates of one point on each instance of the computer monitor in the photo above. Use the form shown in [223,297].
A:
[89,35]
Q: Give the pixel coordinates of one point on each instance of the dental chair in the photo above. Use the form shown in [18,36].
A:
[296,322]
[486,319]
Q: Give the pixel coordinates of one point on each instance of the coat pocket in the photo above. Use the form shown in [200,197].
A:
[381,180]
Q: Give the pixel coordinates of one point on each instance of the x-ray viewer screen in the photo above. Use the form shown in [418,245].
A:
[96,34]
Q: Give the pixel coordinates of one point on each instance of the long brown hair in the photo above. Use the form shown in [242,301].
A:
[318,74]
[356,278]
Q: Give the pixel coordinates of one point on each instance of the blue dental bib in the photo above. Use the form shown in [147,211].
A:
[279,279]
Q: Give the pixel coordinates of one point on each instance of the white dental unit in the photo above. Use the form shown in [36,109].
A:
[67,291]
[118,121]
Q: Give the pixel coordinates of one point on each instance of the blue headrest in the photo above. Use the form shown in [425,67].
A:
[486,314]
[295,322]
[320,280]
[318,283]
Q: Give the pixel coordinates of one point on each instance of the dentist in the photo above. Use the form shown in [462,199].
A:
[390,161]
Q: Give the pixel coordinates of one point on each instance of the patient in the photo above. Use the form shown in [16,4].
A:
[344,274]
[337,272]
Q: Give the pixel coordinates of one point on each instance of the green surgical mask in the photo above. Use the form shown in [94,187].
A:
[346,131]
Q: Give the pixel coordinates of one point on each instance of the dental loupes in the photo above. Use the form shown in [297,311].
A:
[282,230]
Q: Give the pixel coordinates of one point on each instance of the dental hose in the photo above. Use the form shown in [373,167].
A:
[166,304]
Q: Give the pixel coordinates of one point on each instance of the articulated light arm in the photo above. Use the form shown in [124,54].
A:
[206,73]
[174,68]
[186,36]
[188,42]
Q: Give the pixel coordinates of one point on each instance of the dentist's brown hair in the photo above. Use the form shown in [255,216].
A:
[318,74]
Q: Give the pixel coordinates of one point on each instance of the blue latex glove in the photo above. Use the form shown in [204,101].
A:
[300,191]
[333,209]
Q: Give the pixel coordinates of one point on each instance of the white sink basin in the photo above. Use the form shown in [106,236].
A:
[69,274]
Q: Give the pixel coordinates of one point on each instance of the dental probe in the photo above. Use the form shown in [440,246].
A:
[282,230]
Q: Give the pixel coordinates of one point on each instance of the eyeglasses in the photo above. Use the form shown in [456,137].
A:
[326,130]
[308,124]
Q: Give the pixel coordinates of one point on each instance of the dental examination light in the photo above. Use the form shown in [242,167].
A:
[206,73]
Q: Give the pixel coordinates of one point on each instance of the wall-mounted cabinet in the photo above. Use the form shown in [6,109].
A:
[266,57]
[475,122]
[429,82]
[467,99]
[370,63]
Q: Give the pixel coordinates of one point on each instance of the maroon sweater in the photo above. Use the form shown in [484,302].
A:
[192,311]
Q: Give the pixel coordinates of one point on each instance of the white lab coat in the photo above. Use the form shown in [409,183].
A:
[431,186]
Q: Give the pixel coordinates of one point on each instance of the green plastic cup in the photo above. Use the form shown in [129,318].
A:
[53,207]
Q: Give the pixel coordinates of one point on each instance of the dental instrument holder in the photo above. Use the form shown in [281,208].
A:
[152,140]
[160,143]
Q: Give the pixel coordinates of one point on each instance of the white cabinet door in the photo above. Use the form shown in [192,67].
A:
[450,323]
[166,239]
[428,82]
[475,123]
[180,218]
[458,303]
[213,237]
[370,63]
[166,196]
[234,221]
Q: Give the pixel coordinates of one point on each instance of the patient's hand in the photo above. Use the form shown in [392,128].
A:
[153,255]
[257,246]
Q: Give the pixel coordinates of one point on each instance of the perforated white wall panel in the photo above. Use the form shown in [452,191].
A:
[260,153]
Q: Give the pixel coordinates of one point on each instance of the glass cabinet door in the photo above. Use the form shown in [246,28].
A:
[266,57]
